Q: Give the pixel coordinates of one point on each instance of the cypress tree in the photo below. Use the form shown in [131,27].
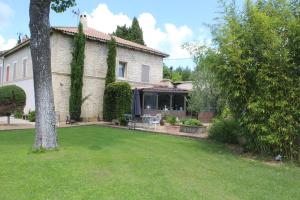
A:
[111,62]
[108,101]
[136,33]
[77,69]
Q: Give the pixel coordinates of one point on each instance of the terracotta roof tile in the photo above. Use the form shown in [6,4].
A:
[100,36]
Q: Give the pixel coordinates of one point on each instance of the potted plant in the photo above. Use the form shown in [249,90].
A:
[172,124]
[192,126]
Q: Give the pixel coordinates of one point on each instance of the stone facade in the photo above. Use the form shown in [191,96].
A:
[94,72]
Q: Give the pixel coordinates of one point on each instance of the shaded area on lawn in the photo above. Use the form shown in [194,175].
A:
[105,163]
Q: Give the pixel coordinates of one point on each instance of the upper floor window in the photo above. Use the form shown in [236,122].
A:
[7,73]
[14,70]
[24,67]
[145,73]
[122,70]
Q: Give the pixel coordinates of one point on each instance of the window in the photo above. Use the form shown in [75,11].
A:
[178,102]
[14,70]
[7,73]
[145,73]
[122,70]
[150,101]
[164,101]
[24,67]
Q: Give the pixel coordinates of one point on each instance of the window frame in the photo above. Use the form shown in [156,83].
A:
[148,70]
[24,72]
[7,71]
[14,70]
[125,70]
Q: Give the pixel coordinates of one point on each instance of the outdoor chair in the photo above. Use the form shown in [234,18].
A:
[155,120]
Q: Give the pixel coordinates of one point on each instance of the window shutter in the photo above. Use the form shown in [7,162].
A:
[145,73]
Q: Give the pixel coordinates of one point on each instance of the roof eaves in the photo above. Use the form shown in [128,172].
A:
[155,52]
[15,48]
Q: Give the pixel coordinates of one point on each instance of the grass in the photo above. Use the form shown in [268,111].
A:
[104,163]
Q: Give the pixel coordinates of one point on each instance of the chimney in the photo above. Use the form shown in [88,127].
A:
[83,21]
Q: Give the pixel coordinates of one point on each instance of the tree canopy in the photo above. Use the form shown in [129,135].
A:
[133,33]
[179,74]
[256,63]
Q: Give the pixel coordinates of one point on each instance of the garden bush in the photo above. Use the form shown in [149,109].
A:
[123,121]
[171,119]
[18,114]
[191,122]
[12,98]
[31,116]
[117,100]
[225,131]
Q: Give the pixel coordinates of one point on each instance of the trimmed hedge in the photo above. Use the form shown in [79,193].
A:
[117,100]
[12,98]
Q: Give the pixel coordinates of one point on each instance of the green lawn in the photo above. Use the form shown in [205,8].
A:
[103,163]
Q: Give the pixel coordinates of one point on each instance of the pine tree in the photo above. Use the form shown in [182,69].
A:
[77,69]
[111,62]
[136,33]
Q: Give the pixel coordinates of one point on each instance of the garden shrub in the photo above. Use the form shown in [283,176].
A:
[225,131]
[117,100]
[171,119]
[31,116]
[191,122]
[12,98]
[18,114]
[123,121]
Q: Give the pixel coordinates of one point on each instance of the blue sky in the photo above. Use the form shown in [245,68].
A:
[167,24]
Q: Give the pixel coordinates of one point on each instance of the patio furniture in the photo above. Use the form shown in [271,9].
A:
[155,120]
[149,120]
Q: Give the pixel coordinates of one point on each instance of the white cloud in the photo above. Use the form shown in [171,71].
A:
[5,45]
[5,13]
[104,20]
[169,38]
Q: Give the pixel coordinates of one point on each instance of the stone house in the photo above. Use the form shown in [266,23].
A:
[137,64]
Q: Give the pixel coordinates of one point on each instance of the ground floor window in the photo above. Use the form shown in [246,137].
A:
[150,101]
[178,102]
[164,101]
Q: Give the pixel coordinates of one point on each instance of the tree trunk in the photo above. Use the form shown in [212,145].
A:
[41,61]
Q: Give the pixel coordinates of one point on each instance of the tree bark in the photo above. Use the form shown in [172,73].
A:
[41,61]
